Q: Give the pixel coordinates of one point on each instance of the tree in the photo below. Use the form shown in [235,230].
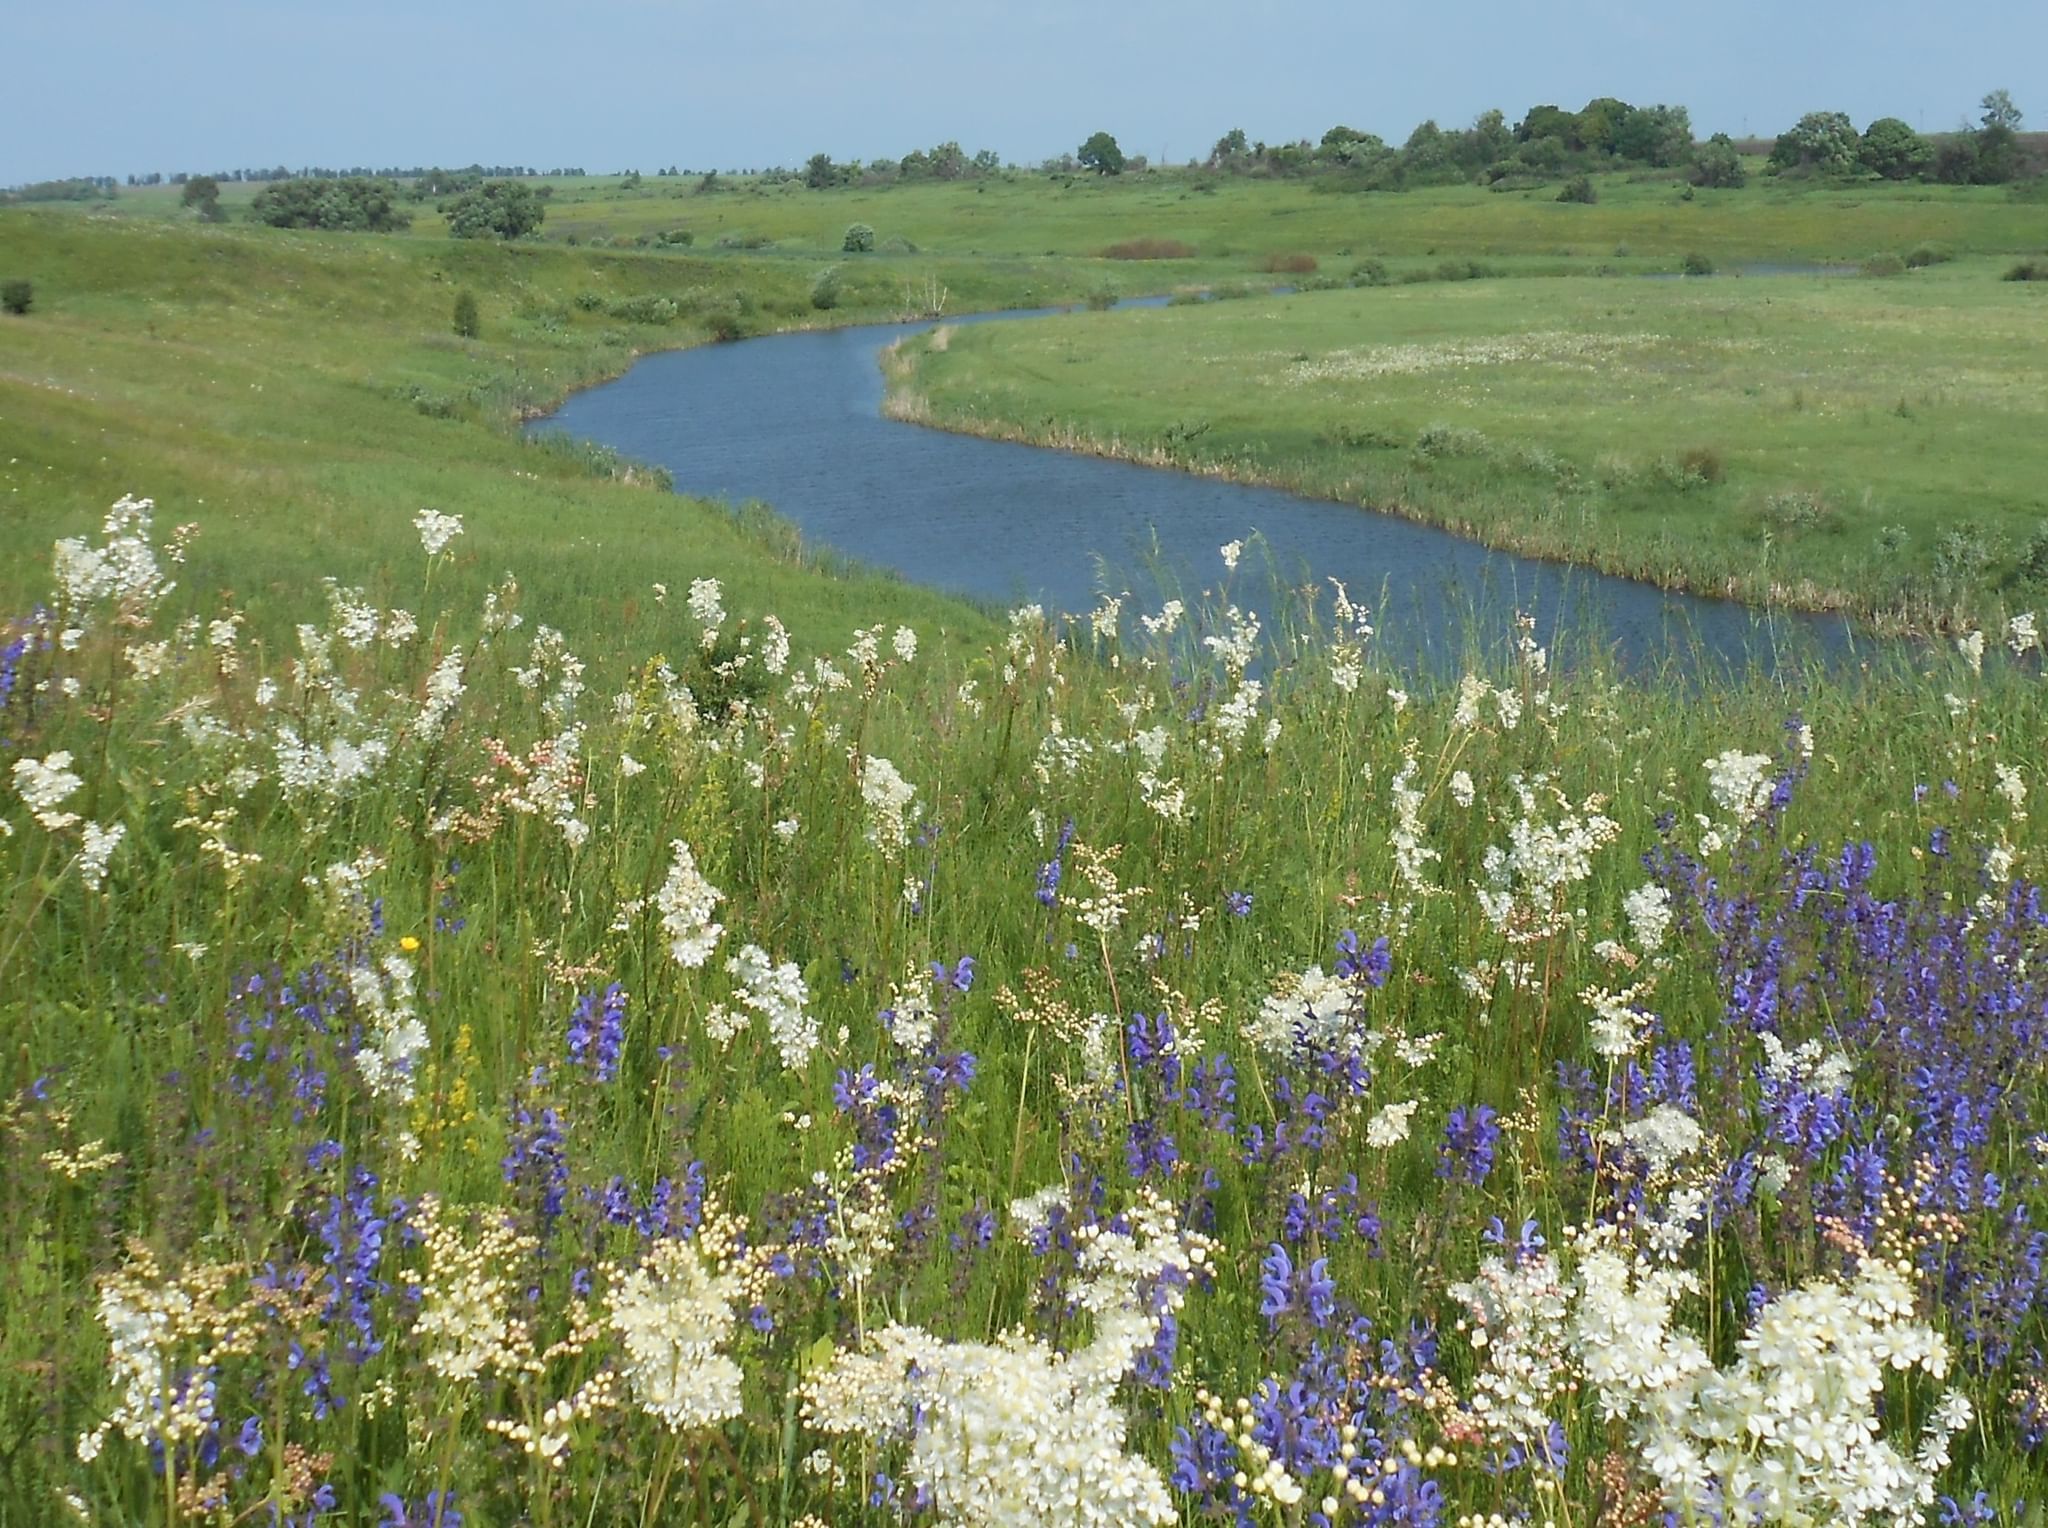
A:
[1101,155]
[1602,122]
[859,240]
[820,172]
[1548,122]
[17,297]
[202,192]
[1718,164]
[498,209]
[468,322]
[1820,143]
[1999,111]
[1892,150]
[1233,145]
[351,204]
[1655,135]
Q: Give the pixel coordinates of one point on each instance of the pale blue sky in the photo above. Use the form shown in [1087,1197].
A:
[128,86]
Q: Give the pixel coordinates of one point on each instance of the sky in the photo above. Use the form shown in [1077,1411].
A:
[120,87]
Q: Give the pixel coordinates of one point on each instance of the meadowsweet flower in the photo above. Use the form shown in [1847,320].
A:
[904,644]
[1230,551]
[706,603]
[1740,782]
[97,847]
[672,1315]
[778,994]
[686,901]
[2022,635]
[1971,645]
[1462,790]
[887,796]
[436,530]
[1648,909]
[1664,1136]
[123,569]
[1389,1127]
[465,1324]
[393,1036]
[2011,787]
[45,784]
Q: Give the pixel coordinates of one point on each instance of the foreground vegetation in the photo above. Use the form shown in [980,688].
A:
[1074,1080]
[528,1000]
[1870,444]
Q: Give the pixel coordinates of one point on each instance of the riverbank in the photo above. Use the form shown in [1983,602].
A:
[1857,445]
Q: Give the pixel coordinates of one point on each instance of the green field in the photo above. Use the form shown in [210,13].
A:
[1873,445]
[485,1027]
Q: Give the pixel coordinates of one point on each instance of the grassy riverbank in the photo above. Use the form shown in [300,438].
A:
[1874,445]
[305,395]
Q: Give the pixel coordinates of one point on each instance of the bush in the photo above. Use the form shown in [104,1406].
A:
[2028,270]
[1149,249]
[468,322]
[1101,299]
[1703,463]
[725,325]
[1884,265]
[645,309]
[17,296]
[352,204]
[1964,554]
[498,209]
[1697,264]
[1369,273]
[1579,189]
[590,302]
[1288,265]
[1462,270]
[859,240]
[679,238]
[1920,256]
[1797,510]
[2034,556]
[825,290]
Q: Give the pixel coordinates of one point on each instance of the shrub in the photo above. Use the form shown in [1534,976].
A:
[1796,510]
[590,302]
[1885,265]
[17,296]
[2034,556]
[1964,553]
[1697,264]
[1288,265]
[825,290]
[1369,273]
[1579,189]
[2028,270]
[1149,249]
[351,204]
[1463,270]
[645,309]
[498,209]
[725,324]
[468,322]
[1437,441]
[1920,256]
[1101,299]
[859,240]
[680,238]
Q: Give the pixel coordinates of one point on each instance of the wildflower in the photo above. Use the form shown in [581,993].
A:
[1389,1127]
[778,994]
[1648,908]
[706,604]
[1740,782]
[686,901]
[2021,634]
[672,1315]
[436,530]
[1230,552]
[44,785]
[97,847]
[888,796]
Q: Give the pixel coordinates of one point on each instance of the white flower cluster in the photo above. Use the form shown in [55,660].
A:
[1016,1432]
[393,1036]
[778,994]
[96,847]
[1793,1431]
[686,902]
[1516,1319]
[888,796]
[330,770]
[124,569]
[671,1316]
[1309,1008]
[436,530]
[1741,782]
[1648,909]
[465,1294]
[45,785]
[1543,860]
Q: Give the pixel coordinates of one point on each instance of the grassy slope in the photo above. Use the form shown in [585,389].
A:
[1916,403]
[271,386]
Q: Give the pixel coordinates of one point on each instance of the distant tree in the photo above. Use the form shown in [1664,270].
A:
[1955,159]
[859,240]
[1892,150]
[202,193]
[17,297]
[1602,123]
[1101,155]
[1233,146]
[1820,143]
[820,172]
[351,204]
[1488,138]
[498,209]
[987,161]
[1655,135]
[1579,189]
[468,322]
[1999,111]
[1548,122]
[1718,164]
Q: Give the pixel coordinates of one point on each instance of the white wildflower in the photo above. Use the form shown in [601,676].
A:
[436,530]
[686,901]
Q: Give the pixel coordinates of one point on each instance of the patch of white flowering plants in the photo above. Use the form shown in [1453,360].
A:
[1160,1064]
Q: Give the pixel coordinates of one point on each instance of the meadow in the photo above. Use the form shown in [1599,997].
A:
[531,999]
[1875,445]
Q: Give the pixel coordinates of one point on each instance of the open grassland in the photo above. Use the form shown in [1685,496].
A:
[1231,225]
[305,394]
[1876,445]
[491,1036]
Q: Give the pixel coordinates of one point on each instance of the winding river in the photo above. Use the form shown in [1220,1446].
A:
[795,420]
